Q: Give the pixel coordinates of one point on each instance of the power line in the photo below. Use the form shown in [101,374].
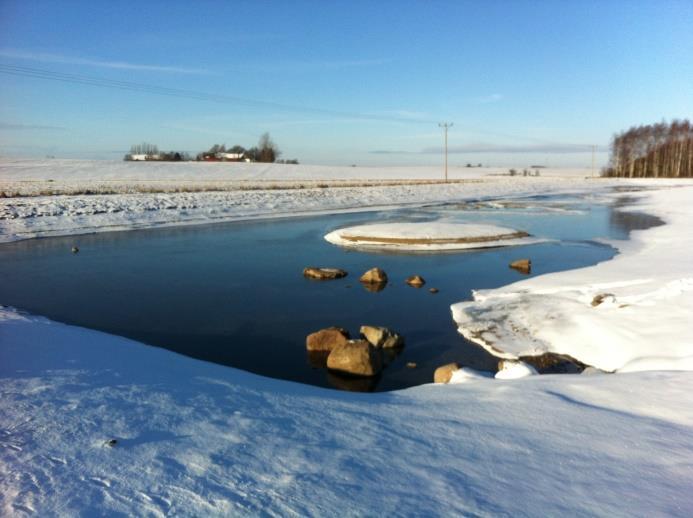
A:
[37,73]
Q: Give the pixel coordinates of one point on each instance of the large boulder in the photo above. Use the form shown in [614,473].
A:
[374,276]
[444,373]
[356,357]
[327,339]
[323,274]
[382,337]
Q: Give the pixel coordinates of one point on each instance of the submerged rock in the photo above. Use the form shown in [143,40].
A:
[382,337]
[444,373]
[433,290]
[323,274]
[356,357]
[327,339]
[416,281]
[522,265]
[374,276]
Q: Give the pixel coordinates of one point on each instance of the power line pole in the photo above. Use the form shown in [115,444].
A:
[445,126]
[594,148]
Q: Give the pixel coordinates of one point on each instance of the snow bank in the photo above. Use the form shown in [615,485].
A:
[630,313]
[429,235]
[199,439]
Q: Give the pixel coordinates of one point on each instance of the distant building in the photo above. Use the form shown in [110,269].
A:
[137,157]
[231,157]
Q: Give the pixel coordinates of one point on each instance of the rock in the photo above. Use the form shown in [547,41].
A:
[323,274]
[554,363]
[444,373]
[381,337]
[374,276]
[416,281]
[433,290]
[513,369]
[327,339]
[603,297]
[522,265]
[356,357]
[75,250]
[411,365]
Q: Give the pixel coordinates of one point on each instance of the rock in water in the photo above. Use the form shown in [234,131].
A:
[356,357]
[522,265]
[75,250]
[323,274]
[381,337]
[416,281]
[444,373]
[327,339]
[433,290]
[374,276]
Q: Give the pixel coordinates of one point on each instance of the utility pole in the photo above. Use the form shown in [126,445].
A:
[594,148]
[445,126]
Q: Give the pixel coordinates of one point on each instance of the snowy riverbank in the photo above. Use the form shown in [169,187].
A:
[201,439]
[195,438]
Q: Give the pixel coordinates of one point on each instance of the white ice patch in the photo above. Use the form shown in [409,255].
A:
[435,235]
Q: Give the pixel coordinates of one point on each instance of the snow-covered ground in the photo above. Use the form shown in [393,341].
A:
[200,439]
[630,313]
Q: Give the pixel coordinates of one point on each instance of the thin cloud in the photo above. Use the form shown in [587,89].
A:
[42,127]
[552,148]
[496,148]
[45,57]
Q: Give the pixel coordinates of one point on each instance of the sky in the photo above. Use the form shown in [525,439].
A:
[366,83]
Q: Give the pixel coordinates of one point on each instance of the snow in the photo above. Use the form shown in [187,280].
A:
[431,235]
[643,322]
[195,438]
[511,370]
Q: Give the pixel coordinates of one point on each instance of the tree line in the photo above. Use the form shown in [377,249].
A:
[265,151]
[653,151]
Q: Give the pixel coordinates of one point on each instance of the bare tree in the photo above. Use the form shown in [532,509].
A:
[267,150]
[657,150]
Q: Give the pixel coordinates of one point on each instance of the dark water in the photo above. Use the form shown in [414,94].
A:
[234,293]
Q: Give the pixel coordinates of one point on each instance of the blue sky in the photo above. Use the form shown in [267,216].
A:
[343,82]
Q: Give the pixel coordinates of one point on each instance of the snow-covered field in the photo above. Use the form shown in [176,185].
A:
[147,192]
[200,439]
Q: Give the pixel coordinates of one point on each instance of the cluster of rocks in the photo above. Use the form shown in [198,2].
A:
[365,356]
[373,280]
